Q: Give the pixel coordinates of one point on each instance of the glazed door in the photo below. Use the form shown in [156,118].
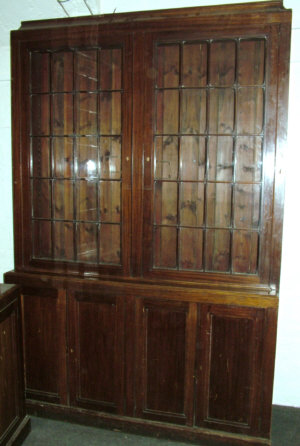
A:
[206,194]
[97,351]
[77,194]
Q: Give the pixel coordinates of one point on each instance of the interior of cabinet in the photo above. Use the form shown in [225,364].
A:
[208,154]
[76,144]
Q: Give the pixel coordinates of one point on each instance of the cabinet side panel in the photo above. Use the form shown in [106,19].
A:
[9,393]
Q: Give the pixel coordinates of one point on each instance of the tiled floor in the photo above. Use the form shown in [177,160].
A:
[45,432]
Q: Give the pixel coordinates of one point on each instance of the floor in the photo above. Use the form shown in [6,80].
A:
[285,432]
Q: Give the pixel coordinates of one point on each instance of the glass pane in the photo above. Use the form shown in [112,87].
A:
[110,201]
[191,204]
[86,200]
[194,65]
[191,248]
[166,203]
[167,66]
[40,76]
[220,164]
[222,63]
[244,252]
[167,108]
[250,110]
[62,71]
[221,116]
[193,111]
[87,242]
[165,246]
[86,114]
[110,244]
[87,157]
[217,250]
[251,62]
[111,69]
[41,198]
[40,107]
[63,199]
[110,113]
[218,196]
[42,239]
[246,205]
[63,157]
[248,158]
[86,70]
[110,157]
[40,149]
[62,119]
[192,158]
[166,157]
[63,240]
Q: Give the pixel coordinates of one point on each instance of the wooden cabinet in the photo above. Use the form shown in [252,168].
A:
[14,424]
[148,190]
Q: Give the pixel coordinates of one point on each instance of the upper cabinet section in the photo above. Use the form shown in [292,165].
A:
[149,144]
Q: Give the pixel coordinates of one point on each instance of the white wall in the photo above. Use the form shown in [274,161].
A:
[287,371]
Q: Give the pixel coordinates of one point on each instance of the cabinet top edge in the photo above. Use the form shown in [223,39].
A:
[7,288]
[157,15]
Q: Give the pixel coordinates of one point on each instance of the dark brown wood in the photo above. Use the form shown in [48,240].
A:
[148,202]
[141,426]
[44,339]
[229,363]
[96,352]
[14,423]
[165,363]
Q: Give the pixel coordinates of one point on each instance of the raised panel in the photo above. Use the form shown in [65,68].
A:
[229,368]
[9,385]
[45,344]
[96,337]
[14,424]
[165,360]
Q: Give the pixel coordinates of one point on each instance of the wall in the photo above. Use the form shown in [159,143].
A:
[287,371]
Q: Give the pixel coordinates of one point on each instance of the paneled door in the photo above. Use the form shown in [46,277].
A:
[165,360]
[97,351]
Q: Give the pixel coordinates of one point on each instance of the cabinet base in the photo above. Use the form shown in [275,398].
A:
[140,426]
[20,433]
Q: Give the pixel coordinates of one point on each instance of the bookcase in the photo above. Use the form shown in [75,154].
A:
[148,199]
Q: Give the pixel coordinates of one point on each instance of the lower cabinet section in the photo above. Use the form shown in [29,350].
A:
[14,424]
[151,364]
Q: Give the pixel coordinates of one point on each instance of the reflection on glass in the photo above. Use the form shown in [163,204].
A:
[167,66]
[191,248]
[166,157]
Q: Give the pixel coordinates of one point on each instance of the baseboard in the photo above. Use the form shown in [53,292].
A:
[140,426]
[20,433]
